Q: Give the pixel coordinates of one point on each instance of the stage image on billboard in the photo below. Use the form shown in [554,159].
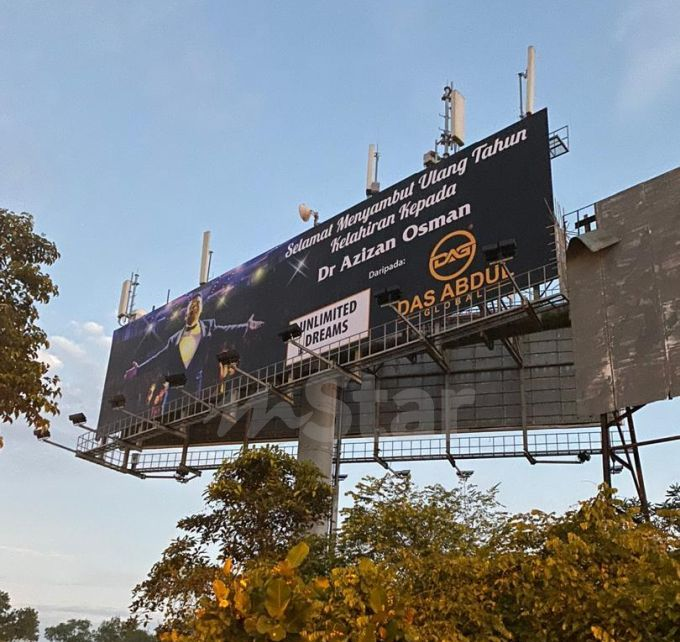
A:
[423,235]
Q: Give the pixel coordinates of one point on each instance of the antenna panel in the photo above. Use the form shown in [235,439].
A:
[531,79]
[458,104]
[205,259]
[124,299]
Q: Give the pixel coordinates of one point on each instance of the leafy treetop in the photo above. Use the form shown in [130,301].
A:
[26,389]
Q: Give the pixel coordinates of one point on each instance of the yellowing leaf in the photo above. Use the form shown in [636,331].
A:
[377,599]
[277,597]
[277,633]
[321,583]
[241,601]
[221,593]
[228,563]
[297,554]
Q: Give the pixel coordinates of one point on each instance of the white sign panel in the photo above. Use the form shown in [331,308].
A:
[332,325]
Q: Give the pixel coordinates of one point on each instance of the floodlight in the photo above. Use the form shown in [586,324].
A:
[388,296]
[176,380]
[307,212]
[42,433]
[77,418]
[500,251]
[293,331]
[583,456]
[430,158]
[117,401]
[229,358]
[464,475]
[402,473]
[616,469]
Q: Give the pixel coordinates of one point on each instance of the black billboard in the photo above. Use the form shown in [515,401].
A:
[423,235]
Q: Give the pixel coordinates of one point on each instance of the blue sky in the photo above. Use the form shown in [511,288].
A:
[128,128]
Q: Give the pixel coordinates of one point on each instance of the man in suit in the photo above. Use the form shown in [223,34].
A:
[188,350]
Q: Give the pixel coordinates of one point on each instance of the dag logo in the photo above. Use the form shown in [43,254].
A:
[452,255]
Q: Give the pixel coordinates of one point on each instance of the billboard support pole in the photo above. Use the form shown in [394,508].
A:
[317,435]
[606,453]
[638,476]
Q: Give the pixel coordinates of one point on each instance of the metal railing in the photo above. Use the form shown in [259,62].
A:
[580,221]
[453,319]
[568,443]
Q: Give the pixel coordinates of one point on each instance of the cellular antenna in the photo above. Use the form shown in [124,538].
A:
[206,257]
[453,133]
[372,184]
[126,304]
[529,76]
[124,300]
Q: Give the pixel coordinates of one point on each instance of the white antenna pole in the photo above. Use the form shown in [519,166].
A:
[372,185]
[124,300]
[531,79]
[205,259]
[458,107]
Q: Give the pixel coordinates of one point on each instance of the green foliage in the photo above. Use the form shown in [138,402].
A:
[70,631]
[113,630]
[117,630]
[17,624]
[390,517]
[25,387]
[257,507]
[418,565]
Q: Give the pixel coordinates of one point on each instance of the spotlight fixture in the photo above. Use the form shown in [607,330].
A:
[229,358]
[616,469]
[42,433]
[402,473]
[583,456]
[500,251]
[388,296]
[77,418]
[293,331]
[176,380]
[464,475]
[117,401]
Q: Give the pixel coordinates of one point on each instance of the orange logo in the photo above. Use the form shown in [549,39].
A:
[452,255]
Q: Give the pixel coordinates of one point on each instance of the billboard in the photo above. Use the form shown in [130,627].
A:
[626,320]
[424,235]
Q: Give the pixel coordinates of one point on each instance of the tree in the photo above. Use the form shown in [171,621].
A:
[17,624]
[26,389]
[70,631]
[390,517]
[433,565]
[113,630]
[117,630]
[257,506]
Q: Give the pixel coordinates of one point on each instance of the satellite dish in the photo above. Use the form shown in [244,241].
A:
[307,212]
[138,314]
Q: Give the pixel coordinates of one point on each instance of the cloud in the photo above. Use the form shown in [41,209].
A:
[93,328]
[52,361]
[67,347]
[93,332]
[648,32]
[16,550]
